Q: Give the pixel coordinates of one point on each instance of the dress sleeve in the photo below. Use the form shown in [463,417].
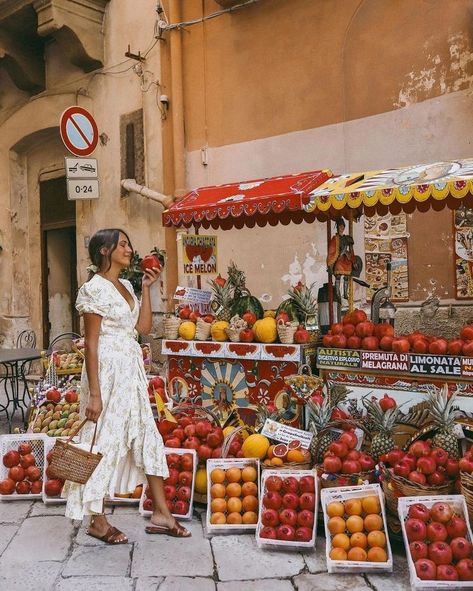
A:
[92,299]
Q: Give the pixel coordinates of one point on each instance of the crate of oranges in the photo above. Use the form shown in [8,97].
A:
[232,495]
[355,530]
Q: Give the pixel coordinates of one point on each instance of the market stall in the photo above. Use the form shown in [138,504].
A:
[233,372]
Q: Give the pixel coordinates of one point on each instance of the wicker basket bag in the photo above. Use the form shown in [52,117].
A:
[69,462]
[286,331]
[233,334]
[467,491]
[171,327]
[202,331]
[337,480]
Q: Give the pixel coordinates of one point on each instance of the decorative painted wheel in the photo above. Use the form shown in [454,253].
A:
[224,386]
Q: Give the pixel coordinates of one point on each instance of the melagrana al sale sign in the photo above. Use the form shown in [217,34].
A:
[199,254]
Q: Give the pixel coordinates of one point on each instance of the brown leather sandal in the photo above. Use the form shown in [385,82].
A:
[110,537]
[176,531]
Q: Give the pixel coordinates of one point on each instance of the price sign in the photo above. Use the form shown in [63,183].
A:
[82,189]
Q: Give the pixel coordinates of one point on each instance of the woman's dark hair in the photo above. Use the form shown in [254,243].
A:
[107,238]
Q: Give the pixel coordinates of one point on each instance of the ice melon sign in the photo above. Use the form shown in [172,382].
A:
[199,254]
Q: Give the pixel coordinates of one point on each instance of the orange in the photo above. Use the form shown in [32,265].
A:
[338,554]
[357,554]
[269,453]
[136,494]
[217,475]
[295,455]
[249,517]
[234,505]
[353,507]
[336,525]
[358,540]
[335,509]
[341,541]
[373,522]
[217,518]
[233,489]
[217,491]
[234,518]
[376,538]
[371,504]
[233,475]
[355,524]
[250,503]
[277,462]
[218,505]
[249,474]
[267,462]
[377,555]
[249,488]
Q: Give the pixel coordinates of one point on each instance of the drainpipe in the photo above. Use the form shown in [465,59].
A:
[132,186]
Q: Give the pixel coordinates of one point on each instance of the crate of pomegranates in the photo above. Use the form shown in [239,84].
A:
[52,487]
[287,514]
[178,487]
[22,467]
[232,495]
[355,530]
[438,541]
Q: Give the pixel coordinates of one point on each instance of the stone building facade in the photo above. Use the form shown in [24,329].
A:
[272,87]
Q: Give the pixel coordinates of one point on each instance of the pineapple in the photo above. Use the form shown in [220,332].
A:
[237,280]
[263,413]
[382,423]
[443,415]
[222,299]
[320,417]
[304,300]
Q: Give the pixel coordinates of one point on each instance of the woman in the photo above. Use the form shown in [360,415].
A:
[114,393]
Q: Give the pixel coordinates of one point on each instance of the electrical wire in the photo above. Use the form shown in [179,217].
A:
[170,26]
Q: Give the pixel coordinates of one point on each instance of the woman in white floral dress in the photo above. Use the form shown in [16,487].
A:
[114,393]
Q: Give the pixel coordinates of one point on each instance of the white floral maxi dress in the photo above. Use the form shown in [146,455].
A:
[126,433]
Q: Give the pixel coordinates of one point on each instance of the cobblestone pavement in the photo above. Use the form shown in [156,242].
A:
[42,550]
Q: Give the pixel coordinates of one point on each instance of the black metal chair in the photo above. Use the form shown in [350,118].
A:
[26,339]
[63,342]
[30,371]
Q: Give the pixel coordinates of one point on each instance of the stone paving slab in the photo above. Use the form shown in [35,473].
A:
[249,562]
[398,580]
[259,585]
[39,576]
[149,583]
[106,561]
[14,511]
[316,561]
[53,533]
[95,584]
[39,508]
[6,534]
[332,582]
[165,556]
[187,584]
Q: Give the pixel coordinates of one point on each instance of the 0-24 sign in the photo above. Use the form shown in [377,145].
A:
[82,189]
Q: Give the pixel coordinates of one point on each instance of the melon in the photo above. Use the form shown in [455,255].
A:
[247,302]
[218,330]
[255,446]
[266,330]
[291,310]
[200,485]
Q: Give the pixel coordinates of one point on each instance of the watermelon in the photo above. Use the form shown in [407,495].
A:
[290,308]
[247,302]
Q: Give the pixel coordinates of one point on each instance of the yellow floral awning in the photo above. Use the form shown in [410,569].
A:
[420,183]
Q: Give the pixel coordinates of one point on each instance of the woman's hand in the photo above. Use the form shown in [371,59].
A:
[94,407]
[150,276]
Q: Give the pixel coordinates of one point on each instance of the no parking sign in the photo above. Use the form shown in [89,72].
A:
[79,131]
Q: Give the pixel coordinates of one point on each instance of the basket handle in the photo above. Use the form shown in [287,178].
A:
[231,436]
[203,411]
[69,439]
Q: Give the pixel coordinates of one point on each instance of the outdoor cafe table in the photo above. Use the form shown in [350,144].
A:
[12,375]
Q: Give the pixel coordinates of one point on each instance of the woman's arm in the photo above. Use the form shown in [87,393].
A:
[92,323]
[145,319]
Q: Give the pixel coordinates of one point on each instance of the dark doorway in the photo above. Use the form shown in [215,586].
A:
[58,260]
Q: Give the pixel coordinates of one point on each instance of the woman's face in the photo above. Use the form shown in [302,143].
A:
[121,256]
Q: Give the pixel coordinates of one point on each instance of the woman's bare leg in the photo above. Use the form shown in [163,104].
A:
[161,514]
[99,525]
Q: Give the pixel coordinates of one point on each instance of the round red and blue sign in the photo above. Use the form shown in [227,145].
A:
[79,131]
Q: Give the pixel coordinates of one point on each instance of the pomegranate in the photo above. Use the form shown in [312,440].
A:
[7,486]
[364,329]
[386,343]
[339,448]
[285,532]
[337,328]
[440,456]
[11,458]
[416,530]
[348,330]
[23,487]
[438,347]
[418,550]
[184,493]
[204,452]
[290,484]
[180,507]
[305,518]
[387,402]
[33,473]
[366,462]
[302,336]
[16,473]
[327,340]
[247,335]
[420,345]
[465,465]
[290,500]
[419,511]
[339,341]
[456,527]
[169,491]
[420,448]
[203,428]
[189,443]
[268,533]
[468,349]
[465,569]
[307,501]
[461,548]
[452,468]
[270,517]
[394,456]
[272,500]
[332,464]
[351,467]
[467,333]
[437,478]
[426,569]
[306,485]
[288,517]
[417,477]
[402,468]
[426,465]
[303,534]
[349,439]
[358,316]
[400,345]
[383,330]
[353,454]
[436,532]
[447,572]
[441,512]
[370,344]
[273,483]
[440,553]
[455,347]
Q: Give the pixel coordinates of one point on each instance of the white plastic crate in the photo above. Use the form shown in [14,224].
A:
[11,442]
[181,452]
[459,505]
[49,443]
[343,494]
[281,544]
[225,464]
